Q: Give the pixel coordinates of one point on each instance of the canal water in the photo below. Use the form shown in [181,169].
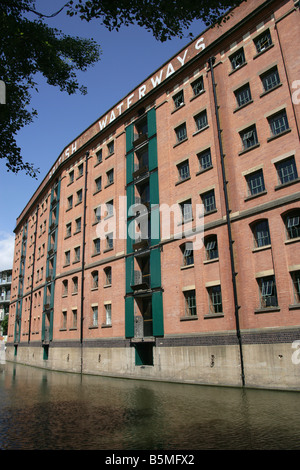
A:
[47,410]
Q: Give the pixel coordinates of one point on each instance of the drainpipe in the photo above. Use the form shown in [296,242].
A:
[211,62]
[83,261]
[32,276]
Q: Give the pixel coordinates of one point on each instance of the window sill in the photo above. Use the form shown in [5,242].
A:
[243,106]
[262,52]
[182,181]
[284,185]
[108,249]
[249,149]
[96,164]
[181,142]
[93,327]
[95,254]
[238,68]
[209,261]
[106,285]
[183,222]
[267,310]
[94,288]
[292,240]
[253,196]
[177,109]
[96,192]
[196,96]
[270,90]
[192,317]
[187,267]
[108,184]
[201,130]
[213,315]
[287,131]
[294,307]
[104,325]
[204,170]
[109,155]
[210,212]
[261,248]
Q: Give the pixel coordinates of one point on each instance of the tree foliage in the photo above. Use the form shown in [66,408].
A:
[29,46]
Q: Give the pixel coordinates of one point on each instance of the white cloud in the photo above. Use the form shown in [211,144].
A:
[7,242]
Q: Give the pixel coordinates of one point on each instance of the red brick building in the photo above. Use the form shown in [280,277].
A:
[214,129]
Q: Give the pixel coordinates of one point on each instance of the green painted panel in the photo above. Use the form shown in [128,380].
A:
[129,138]
[129,167]
[128,272]
[151,121]
[155,226]
[129,317]
[154,192]
[155,268]
[152,152]
[157,314]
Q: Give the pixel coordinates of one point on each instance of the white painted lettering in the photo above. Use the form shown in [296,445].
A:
[74,147]
[142,91]
[156,81]
[170,70]
[129,100]
[200,44]
[182,60]
[102,123]
[112,117]
[119,107]
[67,152]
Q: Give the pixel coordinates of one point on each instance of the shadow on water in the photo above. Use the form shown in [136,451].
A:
[51,410]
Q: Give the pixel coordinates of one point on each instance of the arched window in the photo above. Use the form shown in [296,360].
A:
[188,253]
[94,279]
[75,284]
[261,233]
[107,272]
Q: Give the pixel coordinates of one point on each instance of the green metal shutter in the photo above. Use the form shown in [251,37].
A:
[154,193]
[155,268]
[152,150]
[128,272]
[129,317]
[129,167]
[155,226]
[129,138]
[157,314]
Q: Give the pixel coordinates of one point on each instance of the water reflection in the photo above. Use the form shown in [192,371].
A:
[52,410]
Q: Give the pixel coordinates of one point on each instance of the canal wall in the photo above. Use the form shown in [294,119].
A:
[269,360]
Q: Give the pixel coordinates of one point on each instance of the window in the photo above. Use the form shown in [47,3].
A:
[205,160]
[209,202]
[95,315]
[97,213]
[99,156]
[263,41]
[255,182]
[70,202]
[186,210]
[80,170]
[67,257]
[111,147]
[107,272]
[261,234]
[110,208]
[270,79]
[77,254]
[201,120]
[109,241]
[98,183]
[64,319]
[190,303]
[215,299]
[181,133]
[108,314]
[178,99]
[292,224]
[78,225]
[249,137]
[110,176]
[287,170]
[71,176]
[267,292]
[74,314]
[197,86]
[79,196]
[188,254]
[183,170]
[237,59]
[65,287]
[95,280]
[96,246]
[243,95]
[75,285]
[211,247]
[68,230]
[296,286]
[278,123]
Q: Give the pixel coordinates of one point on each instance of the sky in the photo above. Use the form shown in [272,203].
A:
[128,58]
